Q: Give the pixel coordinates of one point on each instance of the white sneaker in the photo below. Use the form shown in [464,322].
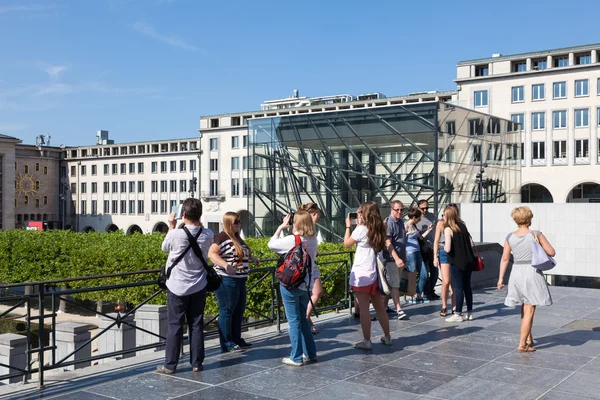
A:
[289,361]
[306,359]
[470,317]
[455,318]
[387,340]
[364,345]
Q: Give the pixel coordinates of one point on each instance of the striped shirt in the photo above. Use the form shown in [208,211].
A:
[227,253]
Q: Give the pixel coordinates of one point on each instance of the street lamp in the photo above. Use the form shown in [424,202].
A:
[482,185]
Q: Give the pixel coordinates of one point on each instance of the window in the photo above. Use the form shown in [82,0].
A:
[132,168]
[131,206]
[450,130]
[173,166]
[123,187]
[559,90]
[244,162]
[83,187]
[83,208]
[114,207]
[235,142]
[235,163]
[114,169]
[582,117]
[154,206]
[183,185]
[173,186]
[45,200]
[163,186]
[598,86]
[26,200]
[581,87]
[182,166]
[37,166]
[538,150]
[481,70]
[518,118]
[106,207]
[140,206]
[154,167]
[26,169]
[598,115]
[192,165]
[163,206]
[73,170]
[214,122]
[236,121]
[140,168]
[123,206]
[83,170]
[235,187]
[214,165]
[73,188]
[583,59]
[538,120]
[154,186]
[518,94]
[582,148]
[140,186]
[123,168]
[560,151]
[302,183]
[94,170]
[131,187]
[245,141]
[481,98]
[476,153]
[94,187]
[214,187]
[559,119]
[538,92]
[561,62]
[540,64]
[115,187]
[519,66]
[246,186]
[37,203]
[106,169]
[45,170]
[94,207]
[493,126]
[163,166]
[475,127]
[213,144]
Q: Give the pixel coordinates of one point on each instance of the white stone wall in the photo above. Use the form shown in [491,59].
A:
[573,229]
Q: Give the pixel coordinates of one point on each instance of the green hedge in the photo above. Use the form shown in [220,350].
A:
[27,256]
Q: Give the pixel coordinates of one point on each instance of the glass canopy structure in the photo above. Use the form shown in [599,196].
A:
[343,158]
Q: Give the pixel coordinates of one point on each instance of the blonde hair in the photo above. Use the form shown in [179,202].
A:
[522,215]
[304,224]
[452,219]
[228,220]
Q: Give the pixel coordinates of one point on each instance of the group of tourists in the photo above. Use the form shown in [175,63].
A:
[422,245]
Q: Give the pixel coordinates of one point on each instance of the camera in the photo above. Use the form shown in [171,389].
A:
[291,222]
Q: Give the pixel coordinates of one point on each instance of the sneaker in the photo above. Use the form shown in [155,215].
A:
[197,369]
[418,300]
[163,370]
[233,348]
[245,345]
[390,310]
[470,317]
[290,362]
[364,345]
[402,315]
[412,300]
[425,299]
[455,318]
[307,359]
[387,340]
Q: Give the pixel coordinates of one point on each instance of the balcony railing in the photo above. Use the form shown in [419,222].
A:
[218,196]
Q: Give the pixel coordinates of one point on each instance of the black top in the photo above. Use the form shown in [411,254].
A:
[461,252]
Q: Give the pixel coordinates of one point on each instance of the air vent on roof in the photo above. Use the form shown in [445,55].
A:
[496,55]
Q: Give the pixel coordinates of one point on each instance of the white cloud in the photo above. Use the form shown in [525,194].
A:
[148,30]
[55,70]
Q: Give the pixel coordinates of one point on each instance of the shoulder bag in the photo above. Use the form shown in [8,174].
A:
[479,265]
[384,285]
[540,260]
[213,280]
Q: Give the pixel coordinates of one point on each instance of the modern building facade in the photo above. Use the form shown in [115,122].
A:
[555,95]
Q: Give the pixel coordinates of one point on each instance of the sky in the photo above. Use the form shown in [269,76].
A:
[149,69]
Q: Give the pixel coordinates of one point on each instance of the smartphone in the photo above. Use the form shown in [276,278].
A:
[353,218]
[177,210]
[291,222]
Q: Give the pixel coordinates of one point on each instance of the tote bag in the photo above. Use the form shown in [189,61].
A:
[539,259]
[384,285]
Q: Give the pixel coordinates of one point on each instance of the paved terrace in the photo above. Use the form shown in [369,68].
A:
[429,359]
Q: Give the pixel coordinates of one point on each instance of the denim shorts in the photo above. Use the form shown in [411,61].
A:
[443,256]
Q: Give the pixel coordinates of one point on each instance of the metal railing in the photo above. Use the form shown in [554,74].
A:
[40,295]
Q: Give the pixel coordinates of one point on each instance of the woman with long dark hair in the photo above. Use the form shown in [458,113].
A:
[369,236]
[457,243]
[230,255]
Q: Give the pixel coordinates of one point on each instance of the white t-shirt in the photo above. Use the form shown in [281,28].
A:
[364,269]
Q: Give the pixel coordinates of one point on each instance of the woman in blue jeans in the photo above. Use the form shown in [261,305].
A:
[295,300]
[230,255]
[413,252]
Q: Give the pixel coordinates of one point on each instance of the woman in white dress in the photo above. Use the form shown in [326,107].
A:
[527,286]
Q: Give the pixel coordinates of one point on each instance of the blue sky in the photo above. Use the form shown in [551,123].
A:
[148,69]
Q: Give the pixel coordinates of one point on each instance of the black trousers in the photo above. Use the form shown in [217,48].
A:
[433,273]
[190,307]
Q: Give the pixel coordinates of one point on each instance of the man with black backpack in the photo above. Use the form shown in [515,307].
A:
[187,285]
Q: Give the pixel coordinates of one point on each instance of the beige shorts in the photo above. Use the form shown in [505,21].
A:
[393,275]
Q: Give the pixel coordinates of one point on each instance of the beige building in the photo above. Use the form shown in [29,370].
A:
[555,94]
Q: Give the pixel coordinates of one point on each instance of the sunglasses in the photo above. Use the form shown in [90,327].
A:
[397,209]
[236,222]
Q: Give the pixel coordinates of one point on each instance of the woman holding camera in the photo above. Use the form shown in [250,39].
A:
[369,236]
[230,255]
[316,285]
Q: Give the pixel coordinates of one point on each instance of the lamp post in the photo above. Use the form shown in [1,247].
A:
[482,185]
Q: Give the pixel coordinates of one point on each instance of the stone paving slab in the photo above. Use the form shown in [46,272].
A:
[429,359]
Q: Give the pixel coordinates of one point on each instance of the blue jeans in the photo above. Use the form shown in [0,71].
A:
[231,297]
[295,302]
[192,308]
[461,280]
[416,260]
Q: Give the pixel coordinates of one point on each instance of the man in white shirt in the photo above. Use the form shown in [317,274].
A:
[186,285]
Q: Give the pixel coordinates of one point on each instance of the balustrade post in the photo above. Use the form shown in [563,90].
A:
[152,318]
[118,337]
[12,353]
[68,336]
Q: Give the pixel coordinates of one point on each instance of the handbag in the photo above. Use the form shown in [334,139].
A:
[213,280]
[384,284]
[165,273]
[479,265]
[408,283]
[540,260]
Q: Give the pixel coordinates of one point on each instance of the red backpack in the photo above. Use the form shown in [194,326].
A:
[294,266]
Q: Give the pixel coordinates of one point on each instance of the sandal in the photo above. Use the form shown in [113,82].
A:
[314,330]
[443,312]
[526,349]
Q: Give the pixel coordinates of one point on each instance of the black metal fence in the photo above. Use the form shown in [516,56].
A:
[46,296]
